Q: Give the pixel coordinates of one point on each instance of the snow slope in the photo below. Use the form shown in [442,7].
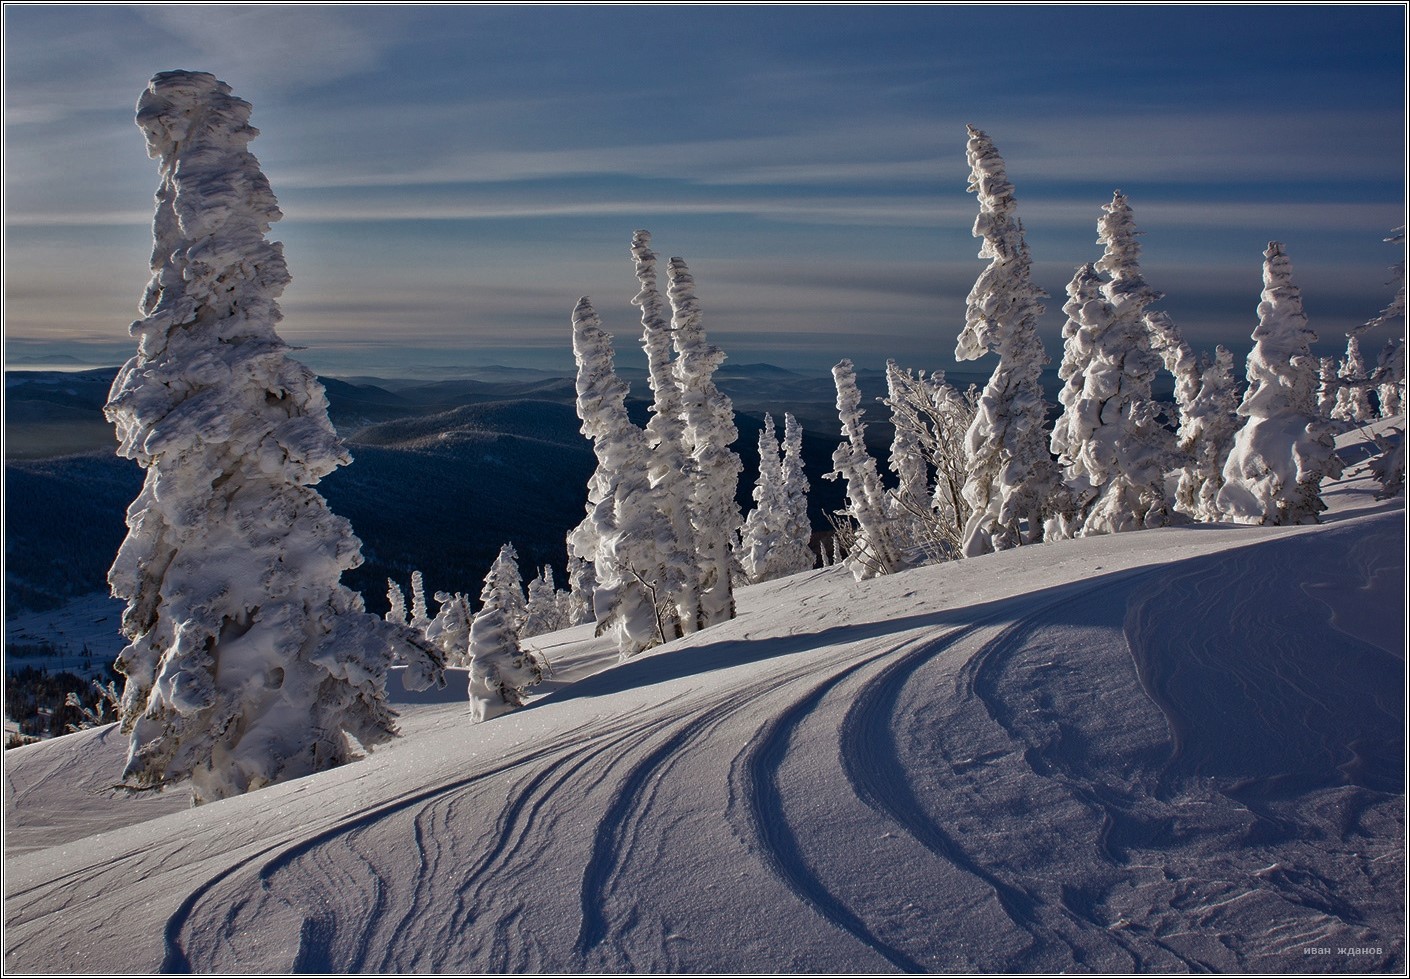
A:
[1179,749]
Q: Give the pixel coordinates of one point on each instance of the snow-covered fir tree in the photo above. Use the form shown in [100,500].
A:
[908,505]
[873,550]
[1109,439]
[1389,375]
[544,611]
[762,531]
[248,661]
[420,614]
[672,470]
[1328,384]
[1353,403]
[501,669]
[1011,478]
[449,631]
[1390,378]
[708,433]
[792,555]
[396,604]
[582,585]
[625,522]
[505,576]
[1206,434]
[1284,448]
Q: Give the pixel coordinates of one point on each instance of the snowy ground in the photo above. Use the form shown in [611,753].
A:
[1170,750]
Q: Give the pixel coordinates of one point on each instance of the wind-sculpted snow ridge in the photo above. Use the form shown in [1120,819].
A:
[1175,751]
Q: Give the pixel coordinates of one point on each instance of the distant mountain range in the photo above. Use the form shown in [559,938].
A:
[444,471]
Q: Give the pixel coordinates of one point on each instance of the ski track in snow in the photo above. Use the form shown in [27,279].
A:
[951,729]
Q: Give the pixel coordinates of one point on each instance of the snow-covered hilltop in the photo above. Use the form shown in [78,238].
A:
[1001,731]
[1180,749]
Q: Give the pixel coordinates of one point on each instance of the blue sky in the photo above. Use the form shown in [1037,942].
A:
[454,177]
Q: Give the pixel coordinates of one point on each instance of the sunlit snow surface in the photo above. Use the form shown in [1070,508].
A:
[1177,749]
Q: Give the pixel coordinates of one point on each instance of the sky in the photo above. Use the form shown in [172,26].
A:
[453,178]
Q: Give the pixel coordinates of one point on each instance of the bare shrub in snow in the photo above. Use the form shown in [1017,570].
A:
[865,525]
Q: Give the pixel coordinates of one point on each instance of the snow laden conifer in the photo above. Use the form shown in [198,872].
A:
[873,550]
[1206,434]
[449,631]
[420,614]
[908,504]
[708,433]
[544,611]
[248,661]
[1328,384]
[672,471]
[1353,403]
[396,604]
[762,536]
[501,669]
[1011,479]
[625,523]
[1284,448]
[1109,440]
[505,575]
[582,585]
[792,553]
[1389,374]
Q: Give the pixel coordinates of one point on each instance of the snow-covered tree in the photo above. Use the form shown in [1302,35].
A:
[792,554]
[934,418]
[708,433]
[672,470]
[505,578]
[1284,448]
[1328,384]
[420,615]
[449,631]
[1388,467]
[1011,478]
[1390,378]
[248,661]
[582,585]
[396,604]
[909,504]
[1353,402]
[873,550]
[501,669]
[544,611]
[1206,435]
[1109,439]
[763,527]
[625,522]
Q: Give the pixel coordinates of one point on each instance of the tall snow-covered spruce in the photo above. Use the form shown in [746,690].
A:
[248,661]
[671,469]
[621,534]
[708,433]
[1011,476]
[1109,440]
[1284,448]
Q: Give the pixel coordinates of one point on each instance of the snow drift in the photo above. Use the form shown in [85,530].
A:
[1180,749]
